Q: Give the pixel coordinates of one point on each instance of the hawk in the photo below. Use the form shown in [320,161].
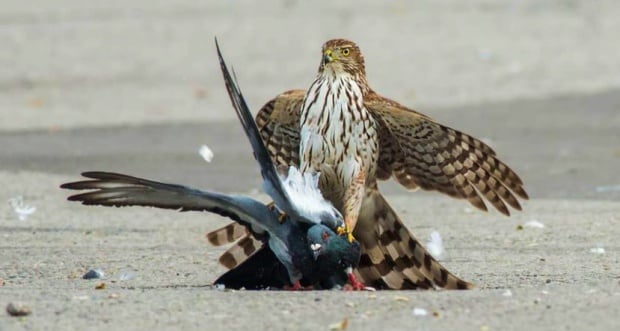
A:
[343,129]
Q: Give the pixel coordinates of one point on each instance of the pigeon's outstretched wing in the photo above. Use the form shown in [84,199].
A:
[112,189]
[272,184]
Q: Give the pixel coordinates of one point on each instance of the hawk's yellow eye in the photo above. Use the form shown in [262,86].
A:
[346,52]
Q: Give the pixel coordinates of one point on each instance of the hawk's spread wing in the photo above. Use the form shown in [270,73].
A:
[421,152]
[278,123]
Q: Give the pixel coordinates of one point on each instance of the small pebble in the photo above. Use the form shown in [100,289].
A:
[342,325]
[94,274]
[100,286]
[18,309]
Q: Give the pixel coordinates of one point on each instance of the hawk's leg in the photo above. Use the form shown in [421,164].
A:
[353,202]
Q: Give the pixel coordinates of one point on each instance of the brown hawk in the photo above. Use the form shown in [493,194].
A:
[353,136]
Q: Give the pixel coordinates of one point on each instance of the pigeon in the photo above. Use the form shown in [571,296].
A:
[301,233]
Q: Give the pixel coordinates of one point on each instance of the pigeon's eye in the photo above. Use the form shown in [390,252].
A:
[325,235]
[346,52]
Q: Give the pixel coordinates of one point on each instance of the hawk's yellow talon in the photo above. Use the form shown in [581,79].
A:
[344,230]
[350,237]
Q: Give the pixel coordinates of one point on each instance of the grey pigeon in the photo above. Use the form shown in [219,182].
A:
[300,243]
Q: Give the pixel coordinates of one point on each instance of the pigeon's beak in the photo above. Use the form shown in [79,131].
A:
[316,250]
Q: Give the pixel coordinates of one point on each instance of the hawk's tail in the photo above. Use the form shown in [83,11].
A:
[245,244]
[391,256]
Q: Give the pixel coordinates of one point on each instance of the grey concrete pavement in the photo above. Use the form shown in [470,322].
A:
[134,86]
[545,279]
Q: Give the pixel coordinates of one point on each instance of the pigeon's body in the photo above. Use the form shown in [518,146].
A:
[324,269]
[299,242]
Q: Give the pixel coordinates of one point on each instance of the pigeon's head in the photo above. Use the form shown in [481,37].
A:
[319,237]
[334,249]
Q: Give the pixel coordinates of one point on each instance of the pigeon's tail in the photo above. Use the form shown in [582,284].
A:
[391,256]
[260,271]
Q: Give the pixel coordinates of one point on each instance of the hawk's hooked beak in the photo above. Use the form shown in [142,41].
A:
[316,250]
[328,56]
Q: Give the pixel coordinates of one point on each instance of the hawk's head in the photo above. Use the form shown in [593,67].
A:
[340,55]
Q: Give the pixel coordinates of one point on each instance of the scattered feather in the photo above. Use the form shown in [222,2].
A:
[434,245]
[127,275]
[534,224]
[401,298]
[342,325]
[507,293]
[22,210]
[597,250]
[206,153]
[94,274]
[419,312]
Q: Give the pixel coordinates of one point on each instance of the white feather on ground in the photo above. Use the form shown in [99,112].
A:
[22,210]
[434,245]
[206,153]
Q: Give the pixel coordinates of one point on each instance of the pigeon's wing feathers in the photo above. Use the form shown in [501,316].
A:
[112,189]
[272,184]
